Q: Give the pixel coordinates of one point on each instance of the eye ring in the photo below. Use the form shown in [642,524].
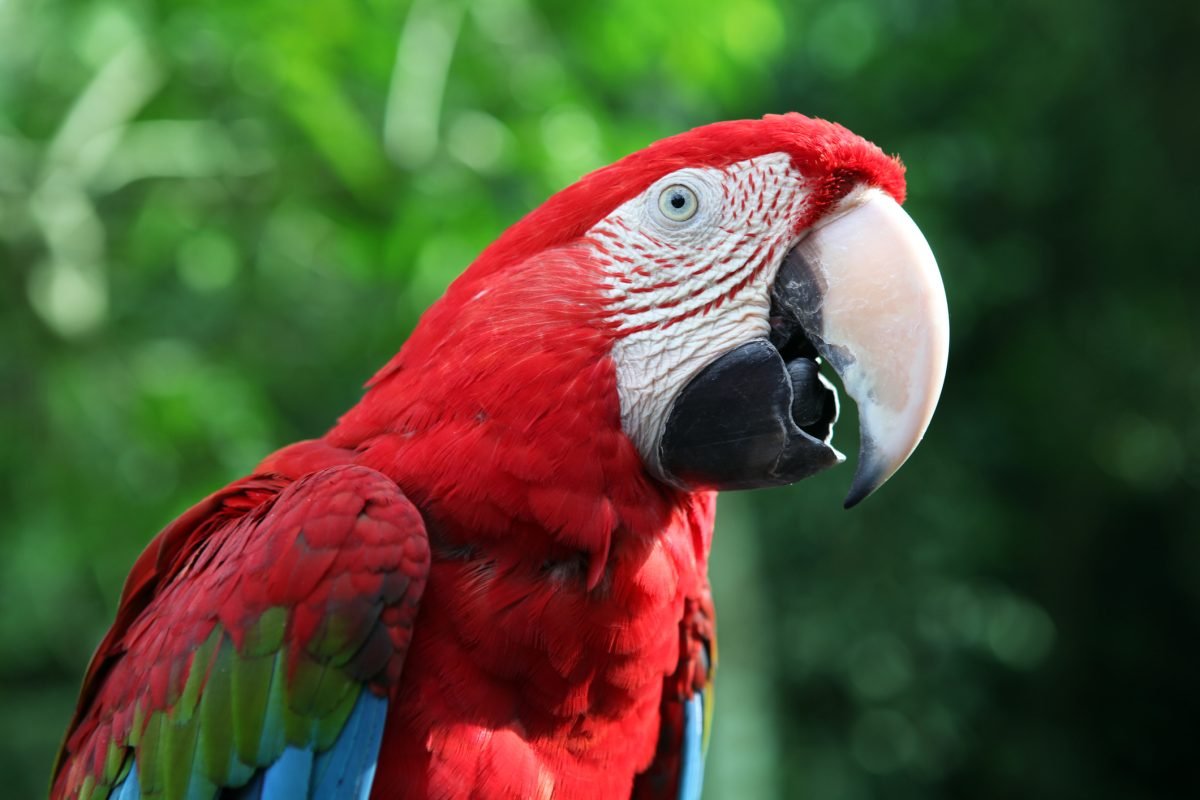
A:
[678,203]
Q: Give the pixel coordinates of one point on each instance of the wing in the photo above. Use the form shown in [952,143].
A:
[677,772]
[254,648]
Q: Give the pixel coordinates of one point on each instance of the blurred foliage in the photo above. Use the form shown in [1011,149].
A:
[217,218]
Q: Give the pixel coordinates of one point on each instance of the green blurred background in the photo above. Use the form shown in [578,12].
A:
[217,218]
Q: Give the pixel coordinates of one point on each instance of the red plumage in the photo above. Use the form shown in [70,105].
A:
[566,605]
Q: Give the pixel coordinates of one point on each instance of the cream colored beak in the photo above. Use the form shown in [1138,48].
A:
[875,309]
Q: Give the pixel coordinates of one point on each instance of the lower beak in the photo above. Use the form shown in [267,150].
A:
[863,292]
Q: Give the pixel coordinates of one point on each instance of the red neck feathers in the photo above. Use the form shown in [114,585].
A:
[500,418]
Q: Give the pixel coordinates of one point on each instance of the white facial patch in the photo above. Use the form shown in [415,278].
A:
[684,288]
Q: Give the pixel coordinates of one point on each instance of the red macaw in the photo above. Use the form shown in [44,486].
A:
[488,579]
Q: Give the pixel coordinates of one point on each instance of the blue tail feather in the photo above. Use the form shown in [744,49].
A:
[691,772]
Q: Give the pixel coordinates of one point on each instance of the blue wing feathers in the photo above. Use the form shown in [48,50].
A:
[343,772]
[346,770]
[290,776]
[128,789]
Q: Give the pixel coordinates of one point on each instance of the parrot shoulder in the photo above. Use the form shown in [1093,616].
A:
[256,643]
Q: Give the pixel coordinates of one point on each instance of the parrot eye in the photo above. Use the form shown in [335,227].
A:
[677,202]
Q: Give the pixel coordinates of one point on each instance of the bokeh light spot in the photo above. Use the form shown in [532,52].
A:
[1143,453]
[753,30]
[879,666]
[1018,632]
[208,261]
[883,741]
[72,300]
[572,140]
[842,37]
[478,140]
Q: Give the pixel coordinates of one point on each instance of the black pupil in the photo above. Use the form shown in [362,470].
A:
[678,200]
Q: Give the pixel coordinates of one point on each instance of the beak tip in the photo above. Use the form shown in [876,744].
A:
[873,470]
[862,488]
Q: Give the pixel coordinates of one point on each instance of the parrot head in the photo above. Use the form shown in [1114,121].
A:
[719,270]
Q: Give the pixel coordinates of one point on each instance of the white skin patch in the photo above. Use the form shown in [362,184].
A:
[684,292]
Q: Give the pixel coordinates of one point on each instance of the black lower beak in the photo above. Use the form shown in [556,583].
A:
[750,419]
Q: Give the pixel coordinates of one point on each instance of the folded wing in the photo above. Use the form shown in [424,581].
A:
[255,647]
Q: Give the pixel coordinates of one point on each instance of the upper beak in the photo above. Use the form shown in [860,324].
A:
[865,288]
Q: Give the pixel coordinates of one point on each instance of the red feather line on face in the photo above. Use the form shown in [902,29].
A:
[757,229]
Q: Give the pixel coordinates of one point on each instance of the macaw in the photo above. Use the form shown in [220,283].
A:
[488,579]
